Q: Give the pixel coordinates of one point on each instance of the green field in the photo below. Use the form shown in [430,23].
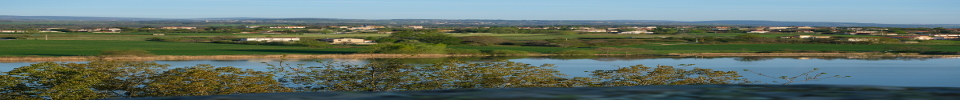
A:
[776,35]
[143,36]
[519,48]
[696,48]
[79,44]
[93,47]
[545,36]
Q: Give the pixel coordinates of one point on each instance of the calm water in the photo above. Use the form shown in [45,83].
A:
[937,72]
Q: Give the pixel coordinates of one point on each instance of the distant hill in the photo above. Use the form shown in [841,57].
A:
[825,24]
[73,18]
[446,22]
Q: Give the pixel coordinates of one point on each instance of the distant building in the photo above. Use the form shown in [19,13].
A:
[178,27]
[944,34]
[777,28]
[807,37]
[591,30]
[272,39]
[289,27]
[920,37]
[758,31]
[347,41]
[415,27]
[860,39]
[945,38]
[803,27]
[12,31]
[636,32]
[385,32]
[866,31]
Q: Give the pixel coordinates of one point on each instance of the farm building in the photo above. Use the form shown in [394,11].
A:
[347,41]
[272,39]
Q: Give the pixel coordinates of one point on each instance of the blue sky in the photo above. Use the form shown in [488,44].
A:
[865,11]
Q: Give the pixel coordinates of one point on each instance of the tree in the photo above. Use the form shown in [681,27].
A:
[439,38]
[205,79]
[660,30]
[93,80]
[423,36]
[662,75]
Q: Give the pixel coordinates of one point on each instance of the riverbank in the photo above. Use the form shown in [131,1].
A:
[849,55]
[234,57]
[217,57]
[663,92]
[327,56]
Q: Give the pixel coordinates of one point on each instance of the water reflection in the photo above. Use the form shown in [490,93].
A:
[890,71]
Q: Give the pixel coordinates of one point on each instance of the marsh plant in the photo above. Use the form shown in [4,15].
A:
[125,79]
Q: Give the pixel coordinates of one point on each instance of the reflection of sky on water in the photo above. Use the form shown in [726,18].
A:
[926,73]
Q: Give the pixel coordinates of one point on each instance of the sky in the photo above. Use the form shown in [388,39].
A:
[861,11]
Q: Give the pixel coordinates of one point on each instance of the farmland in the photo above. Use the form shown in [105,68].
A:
[93,47]
[84,44]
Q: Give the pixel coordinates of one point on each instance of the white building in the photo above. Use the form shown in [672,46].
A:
[289,27]
[272,39]
[636,32]
[758,32]
[178,27]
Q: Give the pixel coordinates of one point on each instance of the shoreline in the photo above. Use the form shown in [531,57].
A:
[232,57]
[323,56]
[849,55]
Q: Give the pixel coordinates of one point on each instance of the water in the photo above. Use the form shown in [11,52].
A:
[934,72]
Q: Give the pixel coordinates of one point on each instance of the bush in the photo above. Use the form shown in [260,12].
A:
[224,41]
[464,51]
[576,52]
[137,53]
[252,42]
[507,52]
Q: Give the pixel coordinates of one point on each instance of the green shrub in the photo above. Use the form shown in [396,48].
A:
[253,42]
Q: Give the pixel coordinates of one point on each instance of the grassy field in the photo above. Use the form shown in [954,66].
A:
[93,47]
[696,48]
[545,36]
[519,48]
[774,35]
[143,36]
